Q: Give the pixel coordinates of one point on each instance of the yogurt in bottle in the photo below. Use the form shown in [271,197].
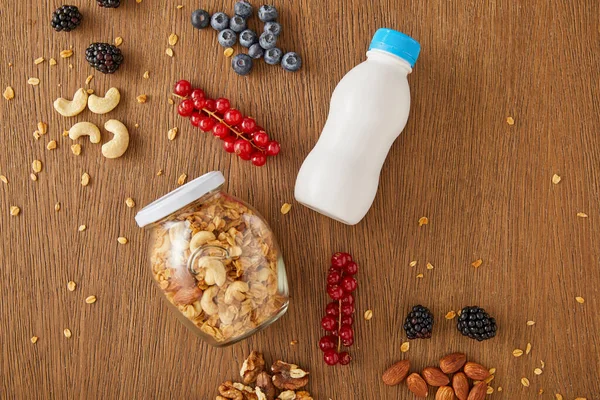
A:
[368,111]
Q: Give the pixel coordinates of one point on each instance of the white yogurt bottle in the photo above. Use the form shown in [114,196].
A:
[369,108]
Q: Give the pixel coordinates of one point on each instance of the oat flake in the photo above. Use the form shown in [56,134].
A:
[82,228]
[558,396]
[528,348]
[129,202]
[71,286]
[477,263]
[181,179]
[66,53]
[492,371]
[489,390]
[122,240]
[36,165]
[33,177]
[173,38]
[412,264]
[33,81]
[405,347]
[452,315]
[555,179]
[85,179]
[537,371]
[580,300]
[52,61]
[517,352]
[499,388]
[228,52]
[118,41]
[172,134]
[423,221]
[42,127]
[89,79]
[510,120]
[530,323]
[76,149]
[3,179]
[542,363]
[146,75]
[419,276]
[67,333]
[51,145]
[582,215]
[34,339]
[285,208]
[169,52]
[429,266]
[525,382]
[368,314]
[9,93]
[142,98]
[39,60]
[14,211]
[90,299]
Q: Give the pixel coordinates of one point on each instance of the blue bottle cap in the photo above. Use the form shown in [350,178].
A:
[396,43]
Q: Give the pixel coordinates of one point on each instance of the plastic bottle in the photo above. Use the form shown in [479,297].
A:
[368,111]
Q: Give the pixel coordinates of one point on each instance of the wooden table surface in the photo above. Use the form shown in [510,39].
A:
[485,185]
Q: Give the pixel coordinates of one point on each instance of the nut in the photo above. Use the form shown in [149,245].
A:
[228,391]
[460,383]
[417,385]
[235,292]
[452,362]
[302,395]
[213,269]
[435,377]
[70,108]
[207,302]
[187,295]
[264,382]
[103,105]
[117,146]
[478,392]
[445,393]
[85,129]
[476,372]
[288,376]
[200,239]
[252,366]
[396,373]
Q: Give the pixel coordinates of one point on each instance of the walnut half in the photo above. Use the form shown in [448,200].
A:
[288,376]
[252,366]
[265,384]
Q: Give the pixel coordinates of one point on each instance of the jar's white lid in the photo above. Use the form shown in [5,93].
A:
[179,198]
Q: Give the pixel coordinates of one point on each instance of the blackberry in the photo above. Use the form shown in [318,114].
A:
[109,3]
[419,323]
[66,18]
[105,57]
[475,323]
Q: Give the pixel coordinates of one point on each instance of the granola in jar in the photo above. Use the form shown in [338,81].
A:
[216,261]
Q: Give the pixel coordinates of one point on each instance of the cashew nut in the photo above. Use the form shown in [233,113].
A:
[117,146]
[207,303]
[103,105]
[236,291]
[70,108]
[85,129]
[215,271]
[227,314]
[201,238]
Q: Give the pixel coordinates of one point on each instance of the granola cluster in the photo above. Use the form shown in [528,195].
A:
[285,382]
[218,263]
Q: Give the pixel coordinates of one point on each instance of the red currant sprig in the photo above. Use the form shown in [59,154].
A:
[240,135]
[338,320]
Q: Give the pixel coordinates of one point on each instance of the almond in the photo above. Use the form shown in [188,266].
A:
[476,372]
[417,385]
[187,295]
[452,362]
[460,383]
[396,373]
[478,392]
[445,393]
[435,377]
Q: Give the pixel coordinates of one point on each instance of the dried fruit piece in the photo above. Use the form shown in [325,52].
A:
[435,377]
[460,383]
[396,373]
[417,385]
[453,362]
[478,392]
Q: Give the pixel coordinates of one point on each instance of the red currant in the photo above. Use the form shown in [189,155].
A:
[334,278]
[259,159]
[248,125]
[348,310]
[222,105]
[273,148]
[220,130]
[335,292]
[327,343]
[339,260]
[333,309]
[197,94]
[329,323]
[199,103]
[233,117]
[245,156]
[348,299]
[243,147]
[351,268]
[185,108]
[345,332]
[345,358]
[183,88]
[347,320]
[207,123]
[228,144]
[331,357]
[349,284]
[348,342]
[210,105]
[195,118]
[260,138]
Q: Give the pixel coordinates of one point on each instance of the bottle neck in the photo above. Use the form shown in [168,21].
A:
[388,58]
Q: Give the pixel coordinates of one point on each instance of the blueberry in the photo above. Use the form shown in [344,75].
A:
[267,40]
[219,21]
[273,27]
[291,62]
[200,19]
[242,64]
[273,56]
[237,23]
[243,8]
[248,38]
[267,13]
[227,38]
[255,51]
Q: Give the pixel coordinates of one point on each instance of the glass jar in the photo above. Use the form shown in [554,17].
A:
[216,261]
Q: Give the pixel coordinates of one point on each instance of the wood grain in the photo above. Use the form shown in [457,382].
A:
[485,186]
